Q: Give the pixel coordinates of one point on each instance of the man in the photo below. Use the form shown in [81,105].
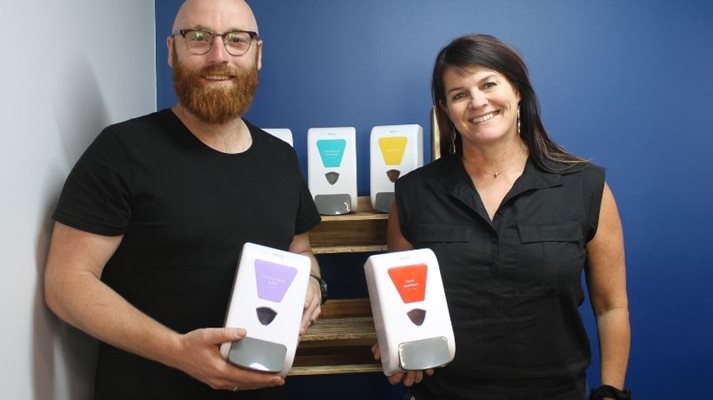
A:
[152,219]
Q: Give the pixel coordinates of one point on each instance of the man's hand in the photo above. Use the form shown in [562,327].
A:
[312,306]
[199,356]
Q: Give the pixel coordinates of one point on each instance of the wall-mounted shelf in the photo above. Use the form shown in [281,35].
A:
[349,249]
[359,232]
[340,341]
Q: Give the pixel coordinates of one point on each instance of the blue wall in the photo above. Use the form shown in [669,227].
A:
[625,83]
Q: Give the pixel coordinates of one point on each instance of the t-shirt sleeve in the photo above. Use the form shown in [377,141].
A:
[96,195]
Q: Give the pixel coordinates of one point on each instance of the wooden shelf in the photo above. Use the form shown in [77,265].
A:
[340,341]
[335,369]
[348,249]
[365,212]
[350,330]
[362,231]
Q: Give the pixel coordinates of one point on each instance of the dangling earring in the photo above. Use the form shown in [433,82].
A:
[518,119]
[452,147]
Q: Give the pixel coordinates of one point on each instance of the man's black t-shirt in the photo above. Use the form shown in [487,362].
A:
[185,211]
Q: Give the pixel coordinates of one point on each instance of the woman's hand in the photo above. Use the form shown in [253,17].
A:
[408,378]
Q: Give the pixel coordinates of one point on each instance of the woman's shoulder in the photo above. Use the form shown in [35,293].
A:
[586,170]
[439,175]
[433,170]
[586,175]
[573,169]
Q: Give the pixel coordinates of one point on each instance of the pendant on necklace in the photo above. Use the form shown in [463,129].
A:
[497,173]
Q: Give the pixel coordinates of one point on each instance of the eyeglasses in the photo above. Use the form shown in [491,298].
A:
[200,42]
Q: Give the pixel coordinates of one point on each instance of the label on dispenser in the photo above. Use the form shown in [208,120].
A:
[392,149]
[410,281]
[331,152]
[273,280]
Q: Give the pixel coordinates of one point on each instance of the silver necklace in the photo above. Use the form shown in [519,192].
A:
[495,174]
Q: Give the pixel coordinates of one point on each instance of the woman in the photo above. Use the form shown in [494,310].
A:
[513,219]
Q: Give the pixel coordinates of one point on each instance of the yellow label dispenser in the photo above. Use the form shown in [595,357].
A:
[394,151]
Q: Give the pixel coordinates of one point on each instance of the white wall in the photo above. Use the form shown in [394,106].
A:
[67,69]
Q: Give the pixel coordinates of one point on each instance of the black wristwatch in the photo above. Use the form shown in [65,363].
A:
[322,287]
[611,392]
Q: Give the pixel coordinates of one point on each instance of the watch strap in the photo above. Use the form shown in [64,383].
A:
[605,391]
[322,288]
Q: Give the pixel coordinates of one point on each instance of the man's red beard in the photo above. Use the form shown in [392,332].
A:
[214,105]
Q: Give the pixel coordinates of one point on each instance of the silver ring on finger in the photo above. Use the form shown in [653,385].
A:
[235,388]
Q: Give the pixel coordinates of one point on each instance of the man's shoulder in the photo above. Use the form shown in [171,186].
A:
[264,138]
[140,131]
[155,120]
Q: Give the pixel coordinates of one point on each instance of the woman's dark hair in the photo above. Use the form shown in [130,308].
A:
[489,52]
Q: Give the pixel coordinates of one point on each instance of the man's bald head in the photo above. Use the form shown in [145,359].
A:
[215,15]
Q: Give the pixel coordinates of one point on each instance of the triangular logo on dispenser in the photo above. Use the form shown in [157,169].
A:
[417,316]
[393,174]
[331,152]
[273,280]
[332,177]
[392,149]
[265,315]
[410,281]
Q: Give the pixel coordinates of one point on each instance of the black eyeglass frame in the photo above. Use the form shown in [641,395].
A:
[183,32]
